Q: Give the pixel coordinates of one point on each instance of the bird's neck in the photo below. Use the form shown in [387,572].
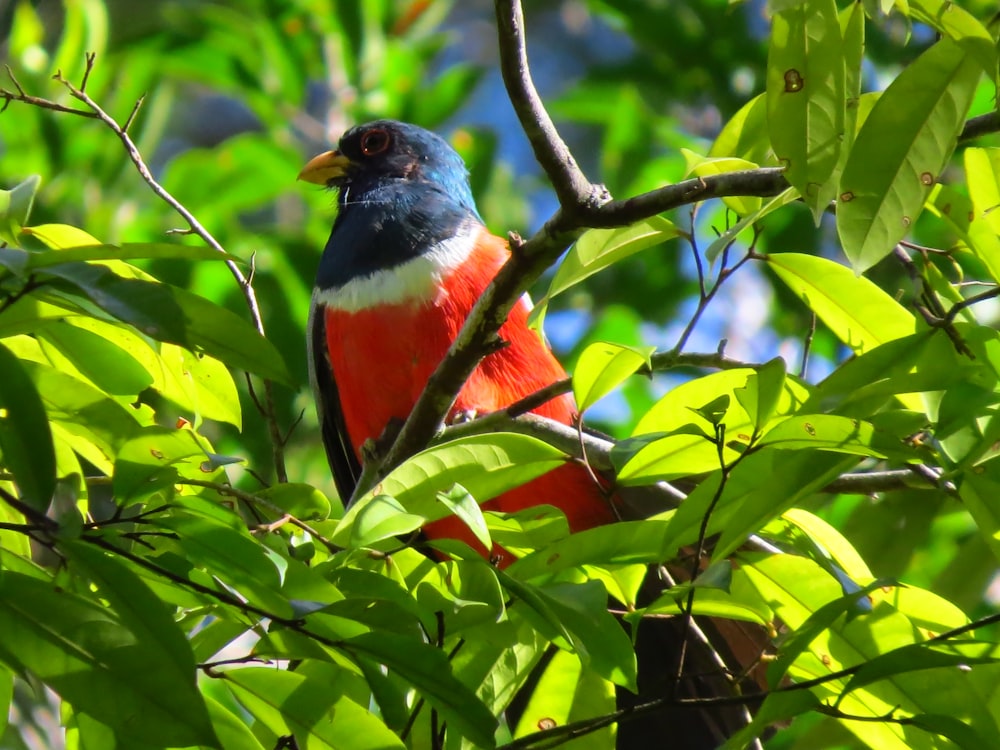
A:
[387,260]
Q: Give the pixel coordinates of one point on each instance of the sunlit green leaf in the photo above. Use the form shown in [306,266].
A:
[859,313]
[806,97]
[15,207]
[486,465]
[602,367]
[568,692]
[901,150]
[289,703]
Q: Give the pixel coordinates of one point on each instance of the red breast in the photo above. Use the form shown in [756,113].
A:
[382,356]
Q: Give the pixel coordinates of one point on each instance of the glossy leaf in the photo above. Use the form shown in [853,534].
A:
[602,367]
[567,692]
[173,315]
[822,432]
[577,615]
[15,207]
[288,703]
[599,248]
[860,314]
[100,666]
[762,392]
[25,438]
[901,150]
[806,97]
[486,465]
[379,517]
[464,506]
[32,261]
[102,362]
[427,669]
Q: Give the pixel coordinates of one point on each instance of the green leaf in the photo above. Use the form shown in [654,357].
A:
[462,504]
[568,692]
[6,697]
[303,501]
[231,729]
[379,517]
[201,384]
[759,397]
[806,97]
[745,135]
[170,314]
[901,150]
[602,367]
[982,171]
[486,465]
[111,368]
[822,432]
[727,238]
[61,236]
[25,438]
[820,620]
[599,248]
[963,28]
[149,462]
[860,314]
[230,555]
[777,707]
[705,166]
[15,207]
[29,261]
[428,670]
[918,656]
[102,668]
[288,703]
[577,615]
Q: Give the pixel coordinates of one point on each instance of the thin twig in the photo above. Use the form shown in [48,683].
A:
[256,500]
[95,111]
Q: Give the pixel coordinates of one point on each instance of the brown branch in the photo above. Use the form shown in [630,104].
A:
[568,180]
[980,126]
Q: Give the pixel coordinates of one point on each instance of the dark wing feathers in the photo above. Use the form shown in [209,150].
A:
[339,453]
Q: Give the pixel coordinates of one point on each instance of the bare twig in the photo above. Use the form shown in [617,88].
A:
[260,502]
[94,110]
[570,184]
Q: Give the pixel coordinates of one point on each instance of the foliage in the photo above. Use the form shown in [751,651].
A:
[155,555]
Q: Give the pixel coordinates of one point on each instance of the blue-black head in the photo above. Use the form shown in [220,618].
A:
[376,160]
[402,189]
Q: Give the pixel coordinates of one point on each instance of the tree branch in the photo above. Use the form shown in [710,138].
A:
[568,180]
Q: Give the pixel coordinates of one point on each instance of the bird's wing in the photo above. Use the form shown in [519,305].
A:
[339,453]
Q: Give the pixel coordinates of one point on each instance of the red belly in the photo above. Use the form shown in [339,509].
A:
[382,358]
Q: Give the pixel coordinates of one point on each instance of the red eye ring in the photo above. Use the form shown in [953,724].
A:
[375,142]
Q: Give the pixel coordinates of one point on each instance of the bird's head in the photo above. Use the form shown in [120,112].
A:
[376,161]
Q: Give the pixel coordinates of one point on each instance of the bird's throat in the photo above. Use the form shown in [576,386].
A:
[417,280]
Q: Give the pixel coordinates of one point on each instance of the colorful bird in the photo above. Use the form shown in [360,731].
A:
[407,259]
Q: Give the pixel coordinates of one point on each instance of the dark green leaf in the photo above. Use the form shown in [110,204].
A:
[25,438]
[101,667]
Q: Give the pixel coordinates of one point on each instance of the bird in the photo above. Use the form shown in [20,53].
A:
[407,258]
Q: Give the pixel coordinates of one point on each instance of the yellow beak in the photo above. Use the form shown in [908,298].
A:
[326,167]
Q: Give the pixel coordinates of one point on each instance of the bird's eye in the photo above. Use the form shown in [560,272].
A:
[375,142]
